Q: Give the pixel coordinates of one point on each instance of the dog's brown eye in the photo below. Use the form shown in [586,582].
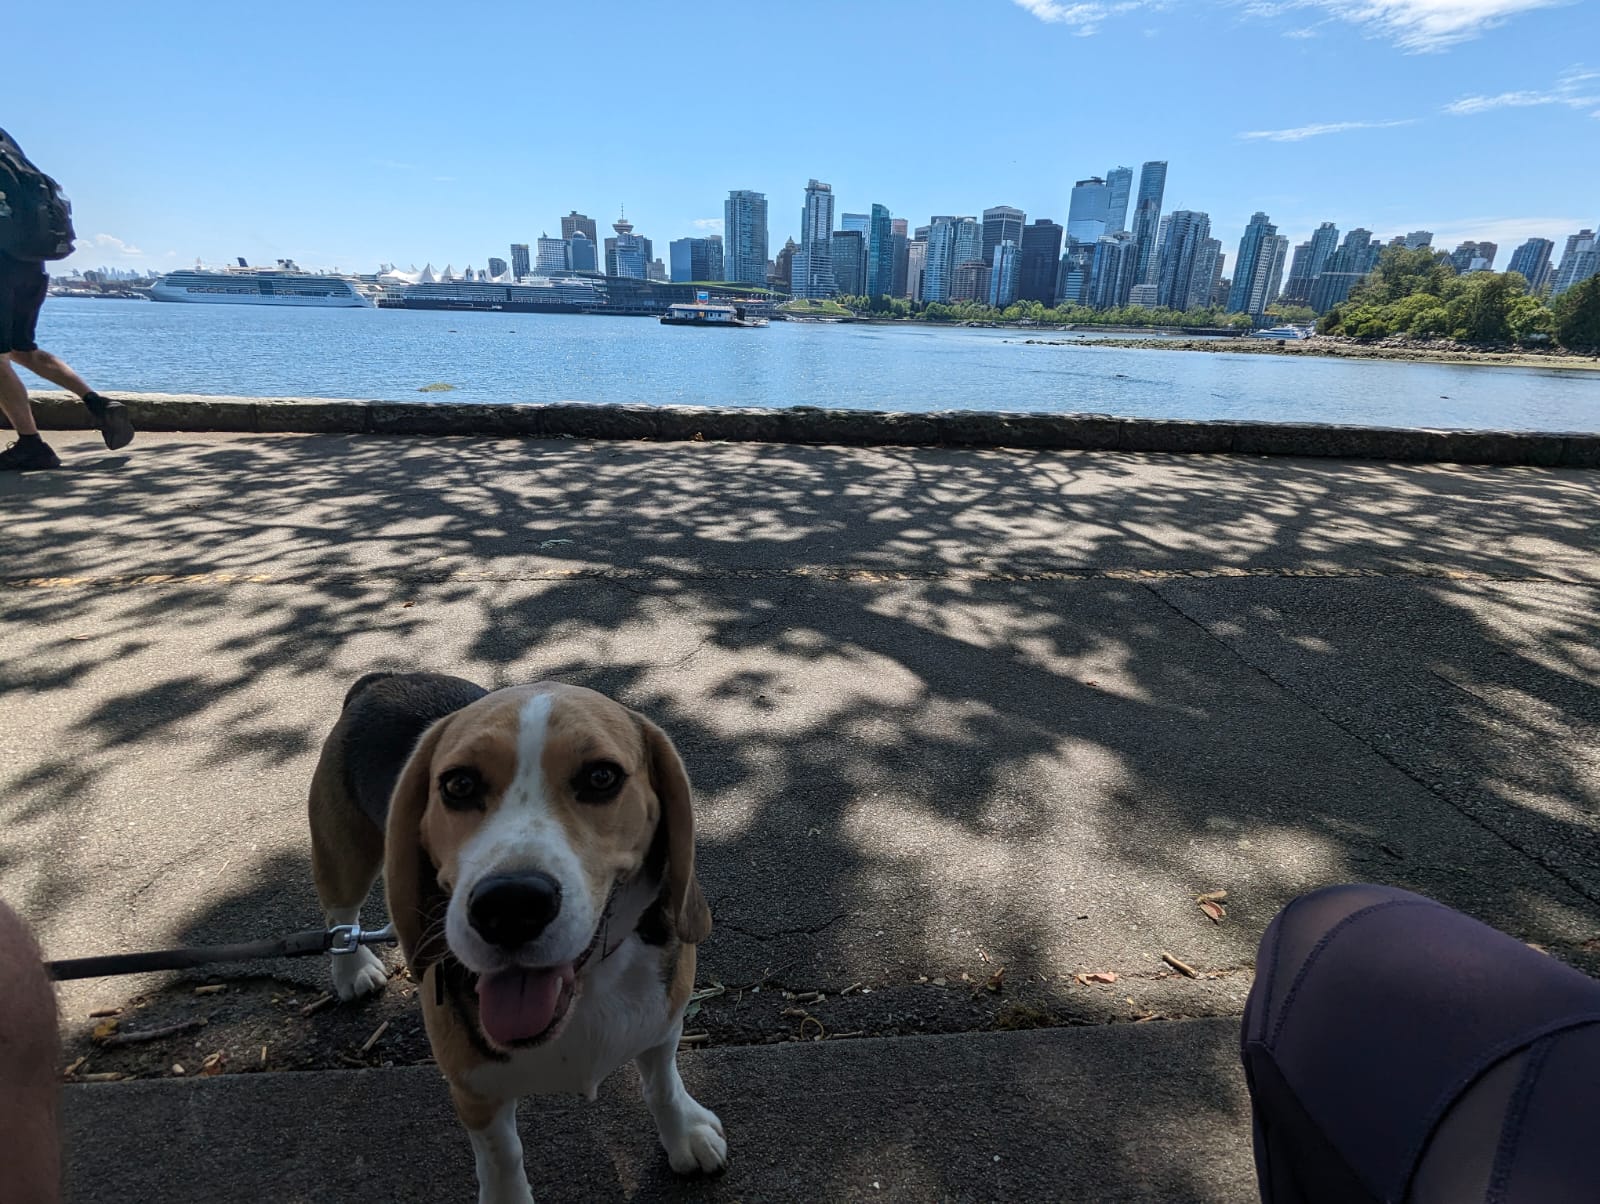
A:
[599,780]
[461,788]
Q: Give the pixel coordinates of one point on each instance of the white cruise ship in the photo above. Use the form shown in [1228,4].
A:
[282,285]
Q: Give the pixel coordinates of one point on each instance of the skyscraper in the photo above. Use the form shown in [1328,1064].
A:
[784,267]
[1003,274]
[970,280]
[1207,273]
[1346,268]
[1417,239]
[1000,223]
[629,252]
[1532,261]
[576,221]
[550,255]
[859,222]
[1119,181]
[1072,276]
[744,237]
[1579,261]
[1147,217]
[902,244]
[497,266]
[1111,271]
[521,265]
[1304,269]
[582,253]
[969,240]
[916,265]
[849,263]
[880,253]
[1245,296]
[1187,235]
[1038,261]
[696,258]
[939,261]
[813,262]
[1472,256]
[1087,214]
[1268,280]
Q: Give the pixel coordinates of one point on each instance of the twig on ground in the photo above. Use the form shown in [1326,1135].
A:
[1183,968]
[116,1040]
[377,1035]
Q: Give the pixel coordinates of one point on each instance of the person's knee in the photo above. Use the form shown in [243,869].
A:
[28,1020]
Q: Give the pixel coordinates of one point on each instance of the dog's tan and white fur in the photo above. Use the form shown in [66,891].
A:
[521,785]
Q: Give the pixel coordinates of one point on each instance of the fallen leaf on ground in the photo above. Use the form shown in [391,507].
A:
[212,1064]
[1215,910]
[1211,896]
[1098,976]
[103,1030]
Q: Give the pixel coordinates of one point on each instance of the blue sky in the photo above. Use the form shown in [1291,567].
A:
[348,134]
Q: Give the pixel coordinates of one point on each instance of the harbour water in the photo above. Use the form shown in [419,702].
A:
[391,354]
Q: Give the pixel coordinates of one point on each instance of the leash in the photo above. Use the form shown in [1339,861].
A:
[338,940]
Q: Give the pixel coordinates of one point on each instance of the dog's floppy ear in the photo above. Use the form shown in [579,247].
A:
[416,901]
[685,904]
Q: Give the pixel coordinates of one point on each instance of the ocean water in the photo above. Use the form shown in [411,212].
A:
[391,354]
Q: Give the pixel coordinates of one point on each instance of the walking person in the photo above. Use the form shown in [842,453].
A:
[36,226]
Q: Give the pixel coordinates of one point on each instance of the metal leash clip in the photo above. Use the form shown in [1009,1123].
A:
[347,938]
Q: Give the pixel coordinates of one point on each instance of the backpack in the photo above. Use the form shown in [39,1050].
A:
[35,219]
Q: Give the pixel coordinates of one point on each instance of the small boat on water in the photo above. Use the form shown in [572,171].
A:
[1287,331]
[703,313]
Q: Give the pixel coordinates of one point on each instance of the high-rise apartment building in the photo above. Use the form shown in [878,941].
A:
[1305,267]
[900,249]
[916,266]
[1532,261]
[582,253]
[1003,274]
[1579,261]
[1183,257]
[970,280]
[1346,268]
[1039,261]
[813,262]
[497,266]
[1249,270]
[1268,279]
[1207,274]
[550,255]
[521,263]
[1119,182]
[1072,274]
[880,253]
[1147,218]
[1111,271]
[1418,239]
[1087,213]
[576,221]
[1000,223]
[952,242]
[744,237]
[849,263]
[1472,256]
[783,268]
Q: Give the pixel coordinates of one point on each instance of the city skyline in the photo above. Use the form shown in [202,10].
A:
[1404,121]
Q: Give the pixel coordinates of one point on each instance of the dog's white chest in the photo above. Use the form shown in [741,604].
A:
[621,1013]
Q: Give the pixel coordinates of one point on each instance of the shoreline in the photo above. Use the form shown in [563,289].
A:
[1326,347]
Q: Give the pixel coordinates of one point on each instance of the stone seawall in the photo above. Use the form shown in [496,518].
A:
[808,424]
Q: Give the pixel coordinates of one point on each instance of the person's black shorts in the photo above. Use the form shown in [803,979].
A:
[23,285]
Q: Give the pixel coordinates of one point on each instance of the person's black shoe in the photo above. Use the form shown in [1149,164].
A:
[116,428]
[28,455]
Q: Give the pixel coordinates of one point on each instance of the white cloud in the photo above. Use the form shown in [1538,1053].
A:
[1575,88]
[712,225]
[1309,31]
[1301,132]
[115,245]
[1421,26]
[1084,18]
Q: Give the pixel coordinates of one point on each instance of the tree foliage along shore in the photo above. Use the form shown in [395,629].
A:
[1033,311]
[1418,293]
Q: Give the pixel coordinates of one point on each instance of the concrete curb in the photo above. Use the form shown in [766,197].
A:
[857,428]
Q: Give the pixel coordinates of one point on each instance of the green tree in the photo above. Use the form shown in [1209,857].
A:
[1577,324]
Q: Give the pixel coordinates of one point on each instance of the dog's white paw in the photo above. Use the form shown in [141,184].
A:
[695,1141]
[357,974]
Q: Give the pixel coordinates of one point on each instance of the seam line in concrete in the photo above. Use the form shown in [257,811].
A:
[1555,872]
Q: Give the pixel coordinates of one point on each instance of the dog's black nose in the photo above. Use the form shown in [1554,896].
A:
[509,912]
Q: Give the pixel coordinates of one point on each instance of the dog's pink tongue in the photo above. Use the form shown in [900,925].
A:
[518,1005]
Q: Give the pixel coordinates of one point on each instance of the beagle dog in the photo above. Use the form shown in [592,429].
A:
[538,849]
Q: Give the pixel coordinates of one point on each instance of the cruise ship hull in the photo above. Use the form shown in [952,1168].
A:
[166,292]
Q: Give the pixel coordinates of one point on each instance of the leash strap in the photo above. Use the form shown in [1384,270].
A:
[341,939]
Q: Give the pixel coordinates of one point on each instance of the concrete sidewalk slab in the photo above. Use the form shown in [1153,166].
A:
[1153,1112]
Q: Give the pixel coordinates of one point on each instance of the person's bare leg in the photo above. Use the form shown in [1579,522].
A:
[14,400]
[30,1145]
[54,369]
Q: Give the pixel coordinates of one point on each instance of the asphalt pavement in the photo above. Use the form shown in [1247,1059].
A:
[946,711]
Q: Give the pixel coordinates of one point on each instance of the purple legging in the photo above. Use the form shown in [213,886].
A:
[1398,1051]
